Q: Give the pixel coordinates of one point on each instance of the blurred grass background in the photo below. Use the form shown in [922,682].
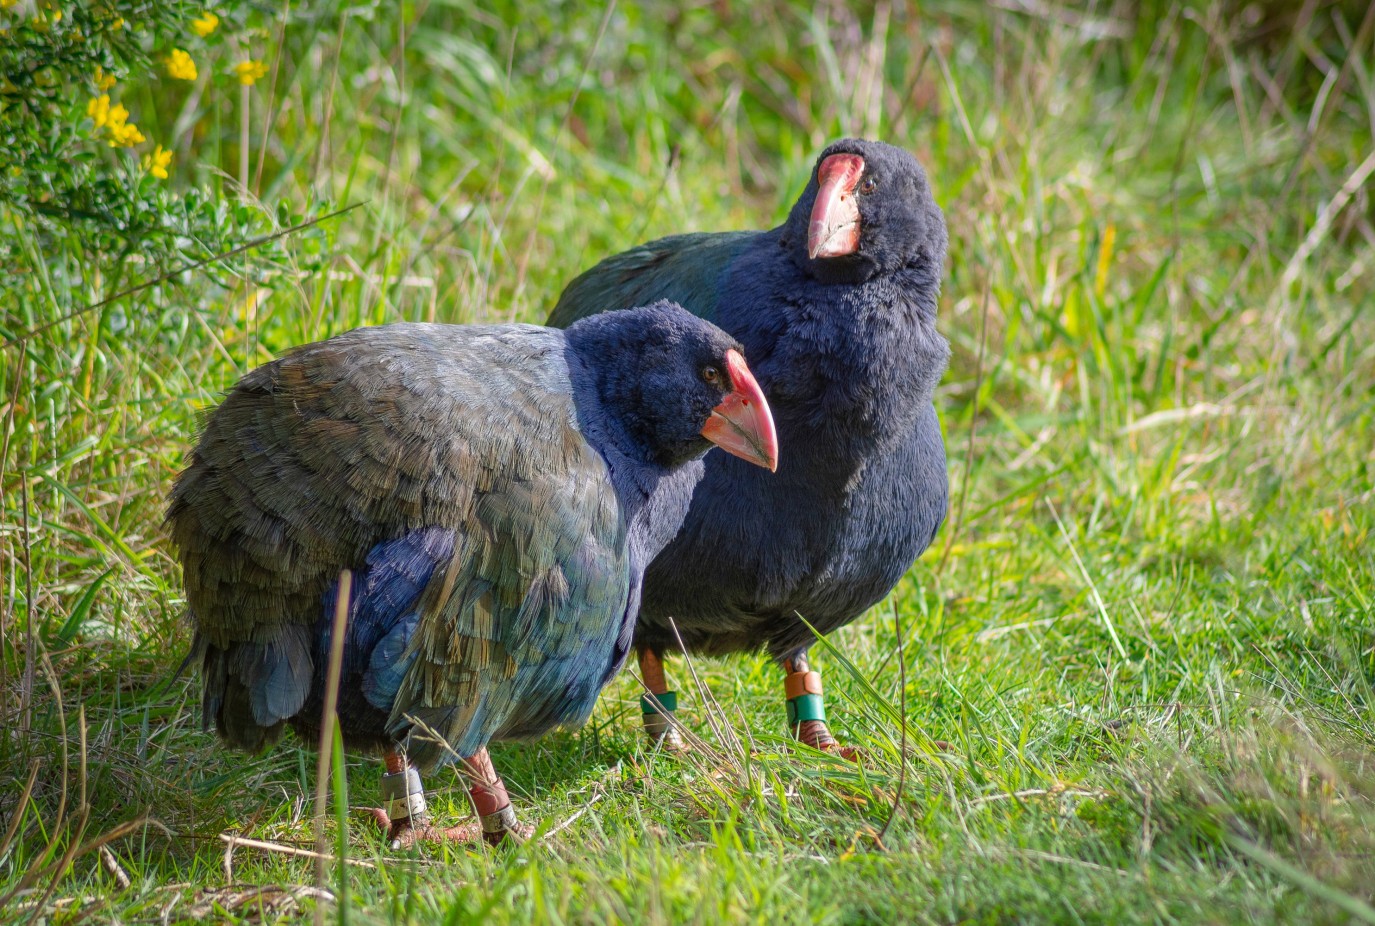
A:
[1146,632]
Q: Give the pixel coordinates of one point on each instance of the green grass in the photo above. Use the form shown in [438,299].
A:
[1146,635]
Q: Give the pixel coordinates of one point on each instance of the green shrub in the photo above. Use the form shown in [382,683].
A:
[92,180]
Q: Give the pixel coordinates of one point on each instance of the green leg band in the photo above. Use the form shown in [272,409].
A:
[657,718]
[668,700]
[805,707]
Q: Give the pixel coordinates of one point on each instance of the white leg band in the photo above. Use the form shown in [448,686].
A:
[503,820]
[403,796]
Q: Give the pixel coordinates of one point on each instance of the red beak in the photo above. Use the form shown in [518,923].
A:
[834,227]
[742,424]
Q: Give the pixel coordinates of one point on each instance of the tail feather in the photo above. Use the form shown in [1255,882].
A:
[277,673]
[236,723]
[253,687]
[249,689]
[214,678]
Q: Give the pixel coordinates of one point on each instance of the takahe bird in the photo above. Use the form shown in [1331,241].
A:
[837,311]
[496,492]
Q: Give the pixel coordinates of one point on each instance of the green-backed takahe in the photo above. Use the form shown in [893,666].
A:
[496,493]
[837,311]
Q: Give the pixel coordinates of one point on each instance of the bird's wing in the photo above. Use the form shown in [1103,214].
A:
[687,269]
[515,630]
[316,460]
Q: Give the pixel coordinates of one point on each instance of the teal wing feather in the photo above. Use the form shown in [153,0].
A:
[687,269]
[516,634]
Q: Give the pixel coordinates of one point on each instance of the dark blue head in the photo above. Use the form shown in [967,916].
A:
[866,211]
[673,385]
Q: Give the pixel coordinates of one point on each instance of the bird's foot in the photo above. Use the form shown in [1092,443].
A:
[807,712]
[404,833]
[403,815]
[656,714]
[816,734]
[670,740]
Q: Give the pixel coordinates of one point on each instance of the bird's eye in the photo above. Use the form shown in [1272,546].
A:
[711,375]
[868,185]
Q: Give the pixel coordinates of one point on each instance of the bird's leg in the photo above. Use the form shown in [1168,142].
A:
[658,706]
[404,815]
[806,711]
[493,805]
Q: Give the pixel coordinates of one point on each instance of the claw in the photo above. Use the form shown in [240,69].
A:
[405,833]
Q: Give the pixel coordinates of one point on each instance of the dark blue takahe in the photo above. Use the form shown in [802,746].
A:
[837,311]
[496,493]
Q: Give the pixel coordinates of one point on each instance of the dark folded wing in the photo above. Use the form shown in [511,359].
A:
[687,269]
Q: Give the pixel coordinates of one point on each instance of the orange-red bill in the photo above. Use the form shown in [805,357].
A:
[834,227]
[742,424]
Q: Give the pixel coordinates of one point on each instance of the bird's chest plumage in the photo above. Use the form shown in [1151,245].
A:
[849,372]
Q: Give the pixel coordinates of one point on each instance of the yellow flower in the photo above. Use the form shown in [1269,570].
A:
[157,162]
[6,4]
[180,65]
[250,71]
[125,136]
[99,110]
[202,25]
[114,120]
[103,81]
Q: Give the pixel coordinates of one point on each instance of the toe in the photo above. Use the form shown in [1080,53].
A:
[380,818]
[671,741]
[848,753]
[521,833]
[404,833]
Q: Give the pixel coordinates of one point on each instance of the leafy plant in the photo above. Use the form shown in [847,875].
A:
[88,189]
